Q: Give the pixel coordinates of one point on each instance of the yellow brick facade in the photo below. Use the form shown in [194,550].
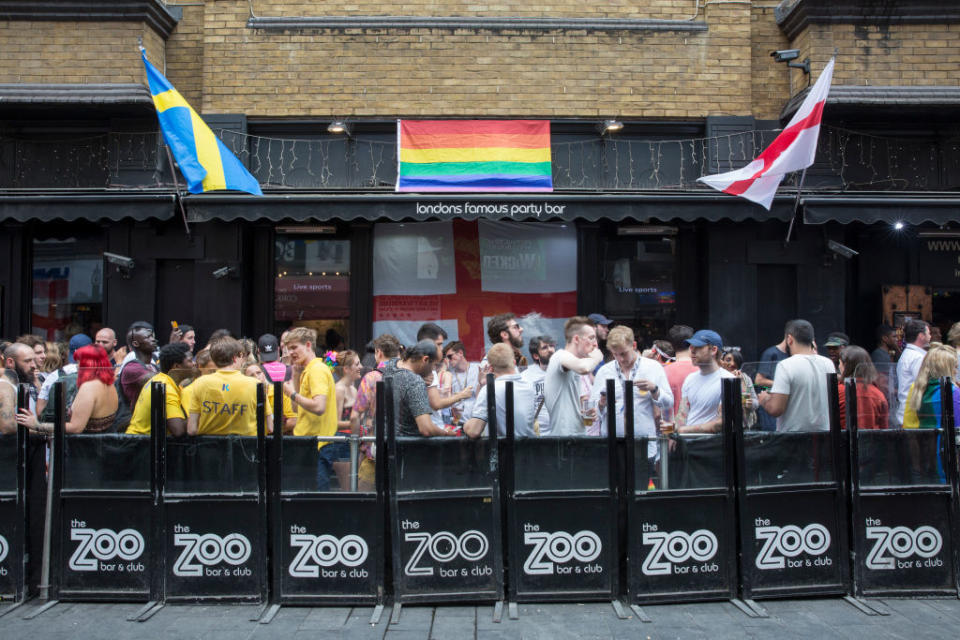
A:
[434,72]
[884,55]
[222,66]
[185,53]
[76,52]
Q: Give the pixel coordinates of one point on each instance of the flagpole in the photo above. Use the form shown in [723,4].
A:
[796,204]
[176,184]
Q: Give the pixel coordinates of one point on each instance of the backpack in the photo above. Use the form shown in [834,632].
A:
[70,392]
[124,410]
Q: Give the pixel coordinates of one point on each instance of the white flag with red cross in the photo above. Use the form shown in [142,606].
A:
[794,149]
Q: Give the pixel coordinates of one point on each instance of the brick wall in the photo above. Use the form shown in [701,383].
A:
[435,72]
[185,54]
[76,52]
[651,9]
[883,55]
[771,82]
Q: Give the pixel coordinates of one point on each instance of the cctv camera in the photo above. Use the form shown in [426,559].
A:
[784,55]
[222,272]
[841,249]
[121,261]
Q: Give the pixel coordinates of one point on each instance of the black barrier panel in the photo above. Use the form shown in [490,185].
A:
[793,511]
[561,515]
[102,516]
[330,543]
[903,507]
[13,520]
[215,515]
[445,502]
[681,515]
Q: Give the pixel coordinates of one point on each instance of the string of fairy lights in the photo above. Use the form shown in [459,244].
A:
[847,160]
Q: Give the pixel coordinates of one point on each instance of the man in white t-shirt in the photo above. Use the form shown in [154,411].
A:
[464,375]
[651,387]
[701,392]
[542,349]
[798,398]
[916,335]
[561,385]
[504,370]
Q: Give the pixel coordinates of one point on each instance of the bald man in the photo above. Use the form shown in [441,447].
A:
[107,338]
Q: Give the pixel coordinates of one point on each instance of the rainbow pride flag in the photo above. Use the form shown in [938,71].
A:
[474,155]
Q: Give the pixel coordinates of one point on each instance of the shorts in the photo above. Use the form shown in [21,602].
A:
[326,456]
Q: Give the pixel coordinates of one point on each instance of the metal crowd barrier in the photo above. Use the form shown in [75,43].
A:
[792,496]
[561,499]
[681,518]
[103,516]
[904,506]
[14,532]
[327,547]
[445,510]
[214,495]
[742,513]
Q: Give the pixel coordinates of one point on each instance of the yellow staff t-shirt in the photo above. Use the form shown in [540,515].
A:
[316,380]
[140,421]
[227,403]
[288,411]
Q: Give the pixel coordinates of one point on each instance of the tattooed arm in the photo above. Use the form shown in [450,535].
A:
[8,408]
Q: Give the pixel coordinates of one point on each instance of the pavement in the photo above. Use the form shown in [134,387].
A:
[916,619]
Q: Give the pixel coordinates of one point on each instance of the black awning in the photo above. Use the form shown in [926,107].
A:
[92,207]
[400,207]
[909,210]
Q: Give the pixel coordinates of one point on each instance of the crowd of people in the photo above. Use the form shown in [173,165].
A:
[438,391]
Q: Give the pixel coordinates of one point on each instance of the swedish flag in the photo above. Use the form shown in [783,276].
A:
[205,162]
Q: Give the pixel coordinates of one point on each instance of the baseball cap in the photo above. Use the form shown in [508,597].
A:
[599,318]
[705,337]
[837,339]
[77,341]
[269,347]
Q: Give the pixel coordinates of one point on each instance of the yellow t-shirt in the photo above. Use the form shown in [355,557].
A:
[226,401]
[316,380]
[288,411]
[140,420]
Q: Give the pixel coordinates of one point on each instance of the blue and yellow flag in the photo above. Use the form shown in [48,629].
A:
[205,162]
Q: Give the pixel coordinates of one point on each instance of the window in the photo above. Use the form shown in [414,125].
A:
[638,284]
[67,286]
[312,287]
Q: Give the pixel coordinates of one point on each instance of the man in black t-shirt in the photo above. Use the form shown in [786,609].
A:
[764,378]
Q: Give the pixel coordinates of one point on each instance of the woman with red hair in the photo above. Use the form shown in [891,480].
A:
[95,405]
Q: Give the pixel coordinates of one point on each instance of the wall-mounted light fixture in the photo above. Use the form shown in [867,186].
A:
[339,127]
[609,126]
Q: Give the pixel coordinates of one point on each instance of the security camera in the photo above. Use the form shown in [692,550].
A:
[121,261]
[785,55]
[223,272]
[841,249]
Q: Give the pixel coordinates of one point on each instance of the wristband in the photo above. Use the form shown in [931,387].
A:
[293,397]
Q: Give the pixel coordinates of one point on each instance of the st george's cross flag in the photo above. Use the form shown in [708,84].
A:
[794,149]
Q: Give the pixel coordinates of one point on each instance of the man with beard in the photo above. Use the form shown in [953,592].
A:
[19,361]
[505,328]
[175,362]
[107,339]
[541,349]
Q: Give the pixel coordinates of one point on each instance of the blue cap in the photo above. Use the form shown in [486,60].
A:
[77,341]
[705,337]
[599,318]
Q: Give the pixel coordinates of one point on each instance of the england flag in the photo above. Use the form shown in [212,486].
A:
[794,149]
